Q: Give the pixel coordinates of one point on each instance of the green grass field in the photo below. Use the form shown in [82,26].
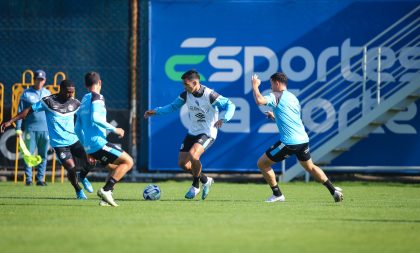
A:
[375,217]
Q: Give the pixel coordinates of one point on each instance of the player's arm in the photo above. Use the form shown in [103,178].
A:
[78,128]
[20,116]
[222,103]
[98,107]
[259,98]
[20,109]
[172,107]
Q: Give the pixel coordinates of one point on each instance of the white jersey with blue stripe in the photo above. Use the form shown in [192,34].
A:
[287,112]
[91,125]
[60,119]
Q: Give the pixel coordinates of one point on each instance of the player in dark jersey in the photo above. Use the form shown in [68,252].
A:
[60,110]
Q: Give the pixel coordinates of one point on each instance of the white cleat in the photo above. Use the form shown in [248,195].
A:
[274,198]
[192,192]
[103,203]
[338,194]
[107,197]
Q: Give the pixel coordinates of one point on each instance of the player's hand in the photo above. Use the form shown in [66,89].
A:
[149,113]
[270,115]
[119,132]
[91,160]
[4,126]
[219,123]
[255,81]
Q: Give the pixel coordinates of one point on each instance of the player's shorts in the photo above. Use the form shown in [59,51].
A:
[278,152]
[107,154]
[75,152]
[189,141]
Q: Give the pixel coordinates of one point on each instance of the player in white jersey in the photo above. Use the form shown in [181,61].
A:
[293,138]
[203,108]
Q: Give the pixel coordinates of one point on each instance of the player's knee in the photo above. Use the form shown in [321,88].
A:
[194,157]
[129,161]
[262,164]
[183,164]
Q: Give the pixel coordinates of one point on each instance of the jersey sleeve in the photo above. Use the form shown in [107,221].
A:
[99,113]
[78,129]
[271,100]
[174,106]
[223,103]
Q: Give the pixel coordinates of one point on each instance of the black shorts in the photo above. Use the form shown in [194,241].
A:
[189,141]
[278,152]
[75,152]
[107,154]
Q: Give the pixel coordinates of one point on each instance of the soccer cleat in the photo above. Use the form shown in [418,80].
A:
[192,192]
[103,203]
[274,198]
[86,184]
[206,188]
[338,194]
[80,195]
[107,197]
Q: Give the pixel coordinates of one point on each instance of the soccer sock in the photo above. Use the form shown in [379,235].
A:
[329,186]
[203,178]
[196,182]
[109,186]
[276,191]
[71,175]
[85,170]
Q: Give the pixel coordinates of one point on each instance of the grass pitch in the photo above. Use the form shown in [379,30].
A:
[374,217]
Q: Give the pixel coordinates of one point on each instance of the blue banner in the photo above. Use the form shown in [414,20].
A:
[228,41]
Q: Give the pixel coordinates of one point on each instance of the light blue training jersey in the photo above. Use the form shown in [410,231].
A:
[35,121]
[60,119]
[286,109]
[91,125]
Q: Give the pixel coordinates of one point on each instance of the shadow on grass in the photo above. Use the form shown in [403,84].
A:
[189,200]
[377,220]
[40,198]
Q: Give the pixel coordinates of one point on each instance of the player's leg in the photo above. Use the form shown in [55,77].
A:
[30,142]
[42,140]
[305,160]
[184,161]
[120,163]
[276,153]
[66,159]
[201,144]
[83,165]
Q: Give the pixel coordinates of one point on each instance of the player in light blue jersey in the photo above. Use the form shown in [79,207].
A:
[91,128]
[293,138]
[59,111]
[203,106]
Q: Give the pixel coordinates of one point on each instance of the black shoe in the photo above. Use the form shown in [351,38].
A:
[28,183]
[40,183]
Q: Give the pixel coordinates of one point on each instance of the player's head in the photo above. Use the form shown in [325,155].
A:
[39,78]
[67,89]
[278,81]
[191,80]
[92,79]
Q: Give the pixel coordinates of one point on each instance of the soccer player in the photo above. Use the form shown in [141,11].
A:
[36,131]
[203,107]
[91,127]
[293,138]
[59,111]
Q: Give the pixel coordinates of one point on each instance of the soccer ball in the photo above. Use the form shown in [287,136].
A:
[151,192]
